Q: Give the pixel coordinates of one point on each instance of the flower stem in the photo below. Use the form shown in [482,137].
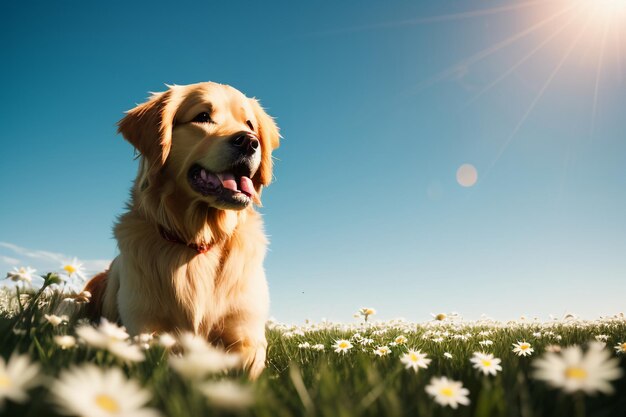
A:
[579,405]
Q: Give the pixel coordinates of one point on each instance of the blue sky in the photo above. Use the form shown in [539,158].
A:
[378,106]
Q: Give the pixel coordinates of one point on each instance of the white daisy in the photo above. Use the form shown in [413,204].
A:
[55,320]
[111,337]
[448,392]
[620,347]
[127,352]
[17,376]
[144,340]
[447,355]
[366,341]
[366,312]
[106,334]
[382,351]
[439,316]
[24,274]
[201,359]
[191,342]
[400,340]
[573,370]
[342,346]
[89,391]
[486,363]
[167,340]
[65,342]
[486,342]
[227,394]
[74,268]
[415,359]
[318,347]
[522,348]
[602,337]
[304,345]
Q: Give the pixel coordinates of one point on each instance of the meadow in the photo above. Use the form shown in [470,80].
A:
[56,363]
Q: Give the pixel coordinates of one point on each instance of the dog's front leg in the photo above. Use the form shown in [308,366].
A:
[245,336]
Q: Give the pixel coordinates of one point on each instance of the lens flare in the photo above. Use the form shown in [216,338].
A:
[467,175]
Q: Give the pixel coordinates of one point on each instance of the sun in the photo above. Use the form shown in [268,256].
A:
[581,41]
[607,6]
[605,11]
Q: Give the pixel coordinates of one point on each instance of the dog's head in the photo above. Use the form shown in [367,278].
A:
[212,140]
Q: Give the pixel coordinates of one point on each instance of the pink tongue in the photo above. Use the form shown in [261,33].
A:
[247,187]
[228,181]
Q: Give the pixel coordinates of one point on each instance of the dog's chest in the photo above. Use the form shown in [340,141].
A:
[166,286]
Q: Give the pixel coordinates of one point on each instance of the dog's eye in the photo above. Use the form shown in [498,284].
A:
[249,123]
[203,117]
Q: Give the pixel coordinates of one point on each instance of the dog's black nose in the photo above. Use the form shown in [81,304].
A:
[246,142]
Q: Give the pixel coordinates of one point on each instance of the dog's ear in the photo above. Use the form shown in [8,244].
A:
[270,140]
[148,127]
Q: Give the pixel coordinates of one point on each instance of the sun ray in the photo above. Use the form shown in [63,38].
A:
[522,60]
[594,111]
[543,89]
[490,50]
[474,13]
[441,18]
[618,53]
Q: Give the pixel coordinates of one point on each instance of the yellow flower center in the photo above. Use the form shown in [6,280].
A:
[413,357]
[70,269]
[446,392]
[107,403]
[623,346]
[575,373]
[486,363]
[5,381]
[343,345]
[524,346]
[440,316]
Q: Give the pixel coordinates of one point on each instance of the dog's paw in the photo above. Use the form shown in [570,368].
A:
[253,357]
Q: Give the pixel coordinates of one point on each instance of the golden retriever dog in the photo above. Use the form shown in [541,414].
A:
[191,243]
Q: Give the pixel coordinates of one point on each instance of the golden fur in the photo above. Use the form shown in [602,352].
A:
[157,285]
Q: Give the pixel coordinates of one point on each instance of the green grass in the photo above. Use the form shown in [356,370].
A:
[304,382]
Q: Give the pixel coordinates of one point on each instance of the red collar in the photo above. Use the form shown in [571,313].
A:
[171,237]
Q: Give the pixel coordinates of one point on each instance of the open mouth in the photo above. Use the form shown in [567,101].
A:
[232,188]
